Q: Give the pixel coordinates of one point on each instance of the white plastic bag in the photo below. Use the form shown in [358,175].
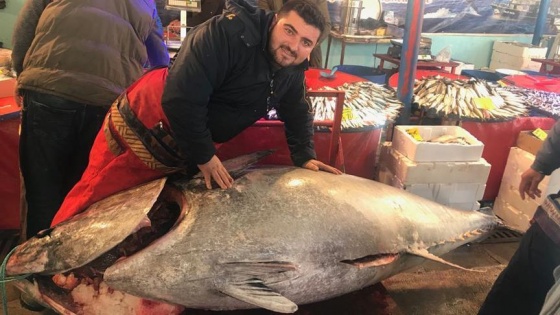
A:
[444,55]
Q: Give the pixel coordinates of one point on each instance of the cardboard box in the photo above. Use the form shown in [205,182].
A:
[528,142]
[502,60]
[410,172]
[7,86]
[423,151]
[518,49]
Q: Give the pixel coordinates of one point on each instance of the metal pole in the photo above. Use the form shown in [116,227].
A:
[409,56]
[541,22]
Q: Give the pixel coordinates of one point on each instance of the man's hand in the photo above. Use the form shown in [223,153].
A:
[315,165]
[529,185]
[214,169]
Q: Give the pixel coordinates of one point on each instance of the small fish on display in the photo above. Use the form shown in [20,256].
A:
[365,104]
[473,99]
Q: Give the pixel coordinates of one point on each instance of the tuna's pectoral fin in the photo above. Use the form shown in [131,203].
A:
[254,291]
[427,255]
[248,282]
[372,260]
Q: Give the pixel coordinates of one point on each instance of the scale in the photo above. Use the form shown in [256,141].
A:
[183,6]
[424,51]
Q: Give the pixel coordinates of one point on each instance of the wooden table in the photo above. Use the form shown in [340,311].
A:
[421,64]
[548,62]
[352,39]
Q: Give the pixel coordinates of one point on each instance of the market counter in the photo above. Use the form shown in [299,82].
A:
[9,165]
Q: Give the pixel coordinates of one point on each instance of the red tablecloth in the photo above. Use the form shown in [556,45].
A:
[315,81]
[541,83]
[9,165]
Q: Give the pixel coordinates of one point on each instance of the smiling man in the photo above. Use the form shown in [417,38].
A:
[230,71]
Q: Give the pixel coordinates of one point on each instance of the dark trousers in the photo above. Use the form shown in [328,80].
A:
[522,286]
[56,137]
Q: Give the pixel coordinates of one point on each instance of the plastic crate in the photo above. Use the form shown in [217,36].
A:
[371,74]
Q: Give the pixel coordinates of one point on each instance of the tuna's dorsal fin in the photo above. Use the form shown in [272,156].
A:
[427,255]
[254,291]
[238,165]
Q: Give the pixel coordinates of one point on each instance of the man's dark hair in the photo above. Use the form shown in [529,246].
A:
[308,12]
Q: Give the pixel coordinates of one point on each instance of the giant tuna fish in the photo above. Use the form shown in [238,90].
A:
[279,237]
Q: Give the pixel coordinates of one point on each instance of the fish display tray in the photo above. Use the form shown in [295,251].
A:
[422,151]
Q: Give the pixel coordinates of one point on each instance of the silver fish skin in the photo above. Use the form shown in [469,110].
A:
[278,238]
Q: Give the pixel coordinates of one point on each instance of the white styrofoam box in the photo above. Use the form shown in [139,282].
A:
[520,49]
[451,195]
[502,60]
[510,194]
[446,193]
[518,162]
[465,205]
[7,86]
[422,151]
[410,172]
[512,217]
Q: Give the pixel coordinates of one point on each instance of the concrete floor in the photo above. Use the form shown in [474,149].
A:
[429,289]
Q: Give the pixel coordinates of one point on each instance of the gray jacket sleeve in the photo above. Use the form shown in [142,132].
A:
[548,157]
[24,31]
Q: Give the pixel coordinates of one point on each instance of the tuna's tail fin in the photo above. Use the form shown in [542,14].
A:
[490,212]
[486,210]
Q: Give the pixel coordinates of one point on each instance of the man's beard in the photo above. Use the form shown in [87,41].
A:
[278,55]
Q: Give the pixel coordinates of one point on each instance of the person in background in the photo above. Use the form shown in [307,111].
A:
[522,286]
[316,58]
[72,59]
[228,73]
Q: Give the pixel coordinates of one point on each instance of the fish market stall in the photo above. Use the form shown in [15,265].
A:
[361,125]
[497,131]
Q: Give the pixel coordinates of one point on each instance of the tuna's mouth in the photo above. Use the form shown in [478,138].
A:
[164,214]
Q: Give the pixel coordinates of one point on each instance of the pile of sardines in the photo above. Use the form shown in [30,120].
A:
[547,103]
[365,104]
[472,99]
